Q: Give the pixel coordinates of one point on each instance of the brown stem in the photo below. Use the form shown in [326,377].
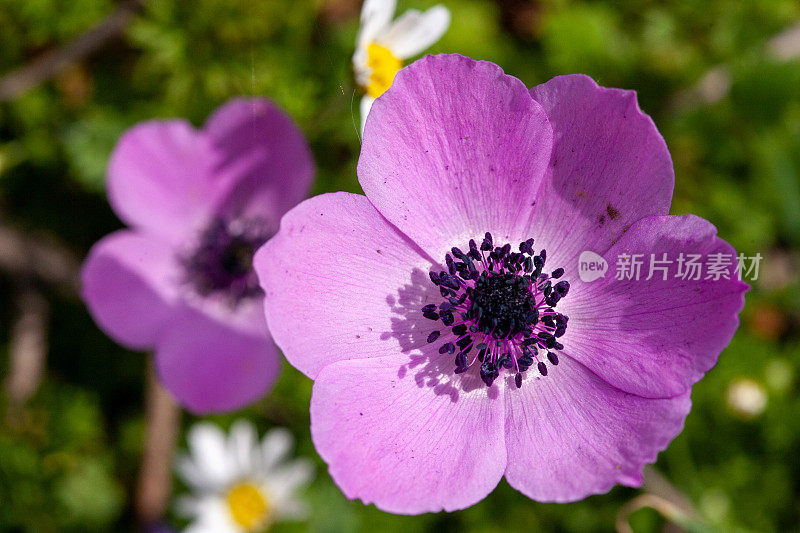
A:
[155,477]
[655,483]
[665,508]
[28,346]
[51,63]
[28,257]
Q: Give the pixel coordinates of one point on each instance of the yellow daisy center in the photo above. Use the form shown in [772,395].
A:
[249,506]
[384,66]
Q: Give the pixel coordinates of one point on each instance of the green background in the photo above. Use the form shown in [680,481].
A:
[69,459]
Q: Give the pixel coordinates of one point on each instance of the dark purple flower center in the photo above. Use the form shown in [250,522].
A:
[500,309]
[222,262]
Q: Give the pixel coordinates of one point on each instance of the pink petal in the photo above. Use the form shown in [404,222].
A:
[570,434]
[159,178]
[656,337]
[130,285]
[341,283]
[609,168]
[210,367]
[408,436]
[247,317]
[453,149]
[264,166]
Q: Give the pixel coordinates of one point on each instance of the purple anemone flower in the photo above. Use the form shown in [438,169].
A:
[199,203]
[442,316]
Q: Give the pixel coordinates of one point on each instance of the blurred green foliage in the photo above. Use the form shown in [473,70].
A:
[68,460]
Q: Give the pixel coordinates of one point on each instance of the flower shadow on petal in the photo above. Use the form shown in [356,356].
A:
[425,364]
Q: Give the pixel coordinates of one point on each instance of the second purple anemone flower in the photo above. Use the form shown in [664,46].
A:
[180,281]
[442,316]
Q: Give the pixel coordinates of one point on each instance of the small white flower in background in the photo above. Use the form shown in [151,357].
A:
[747,398]
[238,483]
[382,45]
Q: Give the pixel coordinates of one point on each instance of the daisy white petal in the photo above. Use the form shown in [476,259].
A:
[291,510]
[275,447]
[296,474]
[214,518]
[414,32]
[239,483]
[286,480]
[241,443]
[361,66]
[375,16]
[366,105]
[381,46]
[192,474]
[209,450]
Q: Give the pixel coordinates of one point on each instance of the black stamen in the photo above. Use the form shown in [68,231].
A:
[222,262]
[447,347]
[562,287]
[500,295]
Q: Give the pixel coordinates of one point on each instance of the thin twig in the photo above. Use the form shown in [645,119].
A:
[26,257]
[666,499]
[53,62]
[667,510]
[28,262]
[28,346]
[161,434]
[655,483]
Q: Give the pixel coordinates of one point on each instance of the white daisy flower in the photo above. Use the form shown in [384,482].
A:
[238,484]
[383,44]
